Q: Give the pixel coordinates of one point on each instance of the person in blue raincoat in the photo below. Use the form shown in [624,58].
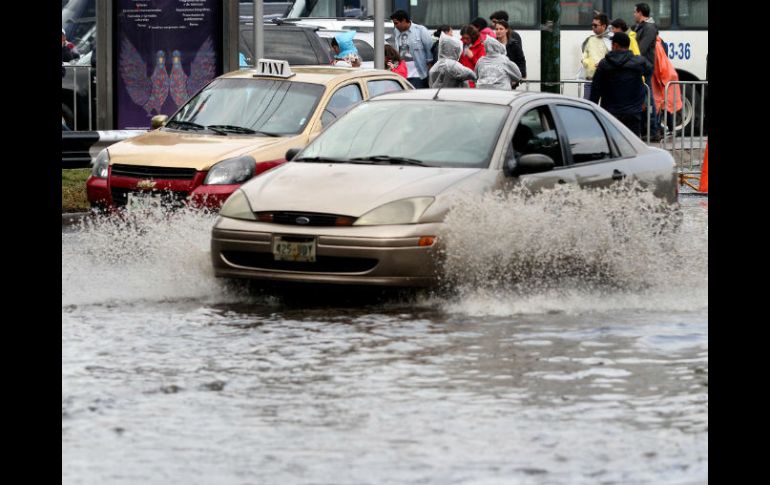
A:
[345,52]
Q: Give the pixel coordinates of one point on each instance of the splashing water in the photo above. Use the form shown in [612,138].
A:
[573,250]
[561,250]
[154,255]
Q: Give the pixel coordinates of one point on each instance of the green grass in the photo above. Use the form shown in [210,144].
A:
[73,190]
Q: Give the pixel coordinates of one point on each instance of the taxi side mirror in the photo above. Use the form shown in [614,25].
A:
[291,153]
[157,121]
[529,163]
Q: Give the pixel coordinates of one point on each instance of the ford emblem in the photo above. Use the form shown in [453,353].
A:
[302,220]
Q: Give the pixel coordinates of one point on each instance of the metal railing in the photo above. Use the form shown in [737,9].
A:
[80,77]
[687,141]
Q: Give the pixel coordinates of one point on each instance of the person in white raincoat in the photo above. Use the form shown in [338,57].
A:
[495,70]
[447,72]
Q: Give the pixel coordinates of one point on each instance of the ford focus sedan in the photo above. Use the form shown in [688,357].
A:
[364,203]
[235,128]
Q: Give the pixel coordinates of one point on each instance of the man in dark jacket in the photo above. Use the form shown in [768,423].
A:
[618,83]
[646,34]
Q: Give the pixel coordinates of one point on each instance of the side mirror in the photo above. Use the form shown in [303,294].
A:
[291,153]
[529,163]
[157,121]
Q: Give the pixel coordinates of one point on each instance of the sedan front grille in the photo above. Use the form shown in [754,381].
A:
[170,198]
[140,172]
[304,218]
[323,264]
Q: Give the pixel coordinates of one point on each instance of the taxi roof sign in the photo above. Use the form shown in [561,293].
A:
[273,68]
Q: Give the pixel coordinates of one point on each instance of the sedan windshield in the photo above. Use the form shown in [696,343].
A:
[250,106]
[429,133]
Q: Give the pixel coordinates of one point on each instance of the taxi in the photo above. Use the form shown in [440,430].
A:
[237,127]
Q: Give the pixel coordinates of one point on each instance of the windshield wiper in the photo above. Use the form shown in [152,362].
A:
[393,160]
[267,133]
[186,125]
[225,129]
[321,159]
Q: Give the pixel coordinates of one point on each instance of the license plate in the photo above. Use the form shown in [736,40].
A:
[288,250]
[139,201]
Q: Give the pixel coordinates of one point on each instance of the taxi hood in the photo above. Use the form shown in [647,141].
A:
[346,189]
[200,151]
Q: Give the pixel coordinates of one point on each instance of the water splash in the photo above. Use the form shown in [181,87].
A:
[154,255]
[563,250]
[573,250]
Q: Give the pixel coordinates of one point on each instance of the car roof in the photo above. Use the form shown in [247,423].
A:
[490,96]
[315,74]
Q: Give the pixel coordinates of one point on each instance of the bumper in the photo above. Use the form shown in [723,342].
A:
[98,192]
[375,256]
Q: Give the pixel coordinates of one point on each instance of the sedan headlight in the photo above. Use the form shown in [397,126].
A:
[237,207]
[101,165]
[231,171]
[404,211]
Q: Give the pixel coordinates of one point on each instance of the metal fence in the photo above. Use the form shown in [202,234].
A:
[687,140]
[78,98]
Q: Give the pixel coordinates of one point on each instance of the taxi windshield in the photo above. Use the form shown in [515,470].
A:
[273,107]
[429,133]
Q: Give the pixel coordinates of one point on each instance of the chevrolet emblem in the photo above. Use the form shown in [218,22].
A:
[145,184]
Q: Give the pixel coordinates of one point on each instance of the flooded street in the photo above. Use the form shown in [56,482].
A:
[568,346]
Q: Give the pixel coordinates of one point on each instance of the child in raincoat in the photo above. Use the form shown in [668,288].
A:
[447,72]
[495,70]
[345,52]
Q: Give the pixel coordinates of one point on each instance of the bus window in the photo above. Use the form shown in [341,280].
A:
[521,13]
[693,14]
[580,13]
[439,12]
[660,11]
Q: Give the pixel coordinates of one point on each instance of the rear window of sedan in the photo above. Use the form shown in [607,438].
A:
[437,133]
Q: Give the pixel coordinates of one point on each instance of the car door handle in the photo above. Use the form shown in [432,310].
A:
[618,175]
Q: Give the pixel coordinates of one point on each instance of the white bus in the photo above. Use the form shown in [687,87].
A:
[683,26]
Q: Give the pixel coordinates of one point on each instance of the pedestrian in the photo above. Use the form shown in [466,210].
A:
[618,85]
[434,49]
[393,61]
[646,33]
[512,42]
[447,72]
[593,49]
[495,70]
[473,48]
[484,30]
[345,52]
[68,52]
[413,43]
[620,25]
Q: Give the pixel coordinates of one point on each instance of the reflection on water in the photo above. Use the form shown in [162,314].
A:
[171,376]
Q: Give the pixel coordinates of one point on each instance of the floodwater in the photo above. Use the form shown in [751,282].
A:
[569,345]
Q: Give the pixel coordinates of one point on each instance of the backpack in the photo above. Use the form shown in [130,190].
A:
[663,73]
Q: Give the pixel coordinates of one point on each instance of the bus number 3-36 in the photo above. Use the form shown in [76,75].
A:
[681,50]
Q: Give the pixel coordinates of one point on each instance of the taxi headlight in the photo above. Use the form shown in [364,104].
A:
[404,211]
[237,207]
[231,171]
[101,165]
